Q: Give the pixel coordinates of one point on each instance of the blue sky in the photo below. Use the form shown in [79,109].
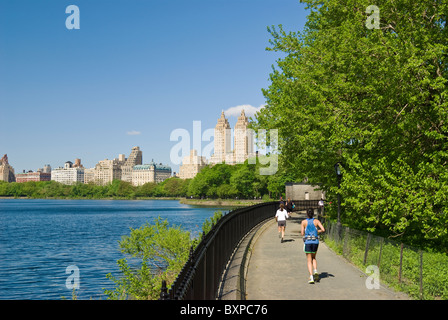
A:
[134,72]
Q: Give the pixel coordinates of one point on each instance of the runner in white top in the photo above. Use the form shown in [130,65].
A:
[280,216]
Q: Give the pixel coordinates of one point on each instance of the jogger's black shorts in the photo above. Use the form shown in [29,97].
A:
[310,247]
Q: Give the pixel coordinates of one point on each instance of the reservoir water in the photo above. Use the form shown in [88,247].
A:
[39,239]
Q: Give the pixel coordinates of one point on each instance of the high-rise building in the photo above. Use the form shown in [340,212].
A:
[222,142]
[68,174]
[152,172]
[89,175]
[106,171]
[117,169]
[6,170]
[191,165]
[243,141]
[135,158]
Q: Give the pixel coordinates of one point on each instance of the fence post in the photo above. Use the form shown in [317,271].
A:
[367,247]
[345,248]
[164,291]
[401,263]
[381,251]
[421,274]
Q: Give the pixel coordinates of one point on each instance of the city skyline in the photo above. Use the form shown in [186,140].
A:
[134,72]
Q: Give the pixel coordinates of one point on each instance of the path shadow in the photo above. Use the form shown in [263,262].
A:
[288,240]
[324,275]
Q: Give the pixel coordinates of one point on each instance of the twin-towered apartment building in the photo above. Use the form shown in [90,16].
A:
[243,147]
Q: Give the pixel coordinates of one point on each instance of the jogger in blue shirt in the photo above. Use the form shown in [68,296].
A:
[310,233]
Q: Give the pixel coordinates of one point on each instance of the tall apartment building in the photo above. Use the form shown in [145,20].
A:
[243,141]
[89,175]
[191,165]
[151,172]
[6,170]
[106,171]
[68,174]
[135,158]
[222,142]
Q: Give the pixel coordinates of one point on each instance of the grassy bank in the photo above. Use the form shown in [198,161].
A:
[220,202]
[420,274]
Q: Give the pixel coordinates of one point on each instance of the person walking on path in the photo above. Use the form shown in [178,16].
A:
[321,206]
[280,216]
[289,206]
[281,200]
[310,233]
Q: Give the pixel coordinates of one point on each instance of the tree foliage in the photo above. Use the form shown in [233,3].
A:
[374,100]
[118,189]
[241,180]
[161,251]
[154,252]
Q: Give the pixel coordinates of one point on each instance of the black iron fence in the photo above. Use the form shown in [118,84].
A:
[201,275]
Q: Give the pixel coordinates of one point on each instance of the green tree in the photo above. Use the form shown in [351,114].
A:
[198,186]
[243,178]
[225,191]
[208,180]
[173,187]
[161,251]
[121,189]
[157,252]
[81,190]
[146,190]
[4,192]
[374,100]
[209,223]
[28,188]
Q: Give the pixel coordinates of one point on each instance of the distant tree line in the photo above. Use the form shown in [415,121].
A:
[224,181]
